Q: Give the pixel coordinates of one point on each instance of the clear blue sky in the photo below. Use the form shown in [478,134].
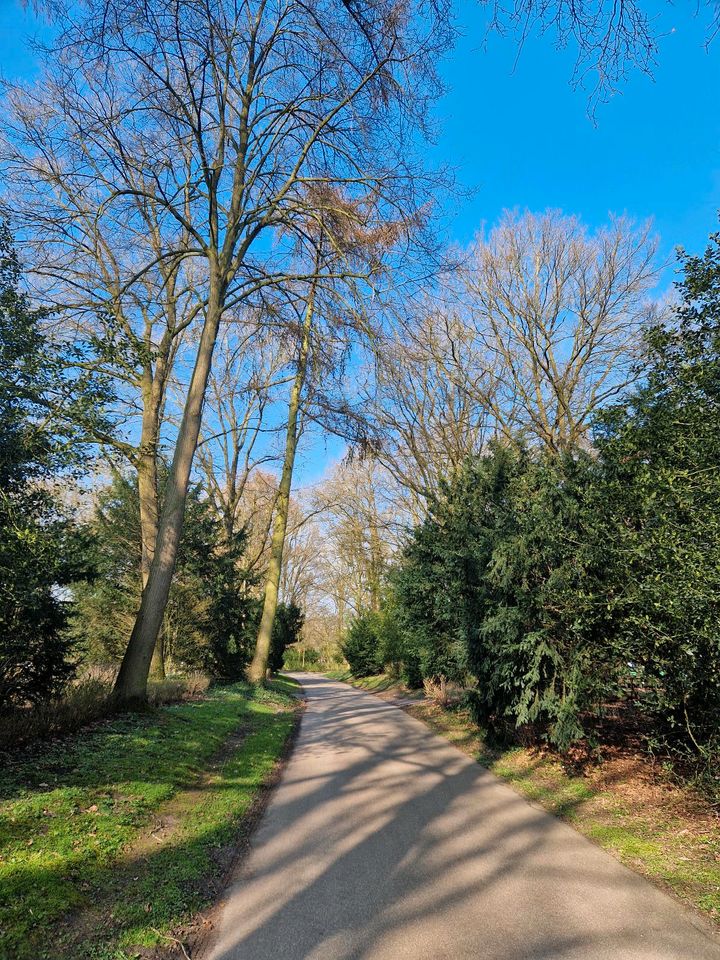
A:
[519,136]
[523,138]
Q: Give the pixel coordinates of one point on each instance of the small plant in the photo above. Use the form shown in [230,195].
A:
[436,689]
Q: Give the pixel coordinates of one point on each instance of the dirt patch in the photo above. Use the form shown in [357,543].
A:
[166,821]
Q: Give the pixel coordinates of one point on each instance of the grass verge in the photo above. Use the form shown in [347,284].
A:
[625,802]
[114,838]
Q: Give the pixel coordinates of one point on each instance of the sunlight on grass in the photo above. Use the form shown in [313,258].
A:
[69,813]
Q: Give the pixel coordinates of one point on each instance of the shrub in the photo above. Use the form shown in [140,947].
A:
[38,553]
[440,584]
[660,453]
[287,629]
[556,582]
[362,645]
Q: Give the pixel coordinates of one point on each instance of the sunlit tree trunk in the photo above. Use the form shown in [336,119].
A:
[148,495]
[258,667]
[131,683]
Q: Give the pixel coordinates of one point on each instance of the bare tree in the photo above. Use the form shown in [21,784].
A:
[127,324]
[239,426]
[300,582]
[359,538]
[428,408]
[559,311]
[231,110]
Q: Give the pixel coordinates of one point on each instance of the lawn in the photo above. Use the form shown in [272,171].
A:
[114,837]
[634,808]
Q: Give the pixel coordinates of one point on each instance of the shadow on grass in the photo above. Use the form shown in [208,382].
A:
[94,798]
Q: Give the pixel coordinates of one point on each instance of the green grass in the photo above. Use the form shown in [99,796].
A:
[77,877]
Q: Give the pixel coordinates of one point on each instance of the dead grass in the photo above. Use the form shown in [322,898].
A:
[87,700]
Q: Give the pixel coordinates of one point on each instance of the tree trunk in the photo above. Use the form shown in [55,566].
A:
[148,493]
[375,558]
[258,667]
[131,683]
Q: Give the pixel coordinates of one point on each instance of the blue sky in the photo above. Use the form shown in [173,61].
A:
[518,135]
[522,137]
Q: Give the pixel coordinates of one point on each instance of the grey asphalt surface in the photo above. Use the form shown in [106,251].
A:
[384,842]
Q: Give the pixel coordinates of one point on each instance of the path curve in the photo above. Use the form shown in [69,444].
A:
[384,842]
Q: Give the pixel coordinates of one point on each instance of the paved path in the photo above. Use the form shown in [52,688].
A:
[383,842]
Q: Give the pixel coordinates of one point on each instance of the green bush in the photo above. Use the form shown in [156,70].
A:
[362,645]
[547,653]
[660,453]
[287,630]
[39,450]
[210,622]
[553,583]
[440,585]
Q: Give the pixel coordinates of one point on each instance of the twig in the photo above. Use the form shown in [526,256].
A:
[175,940]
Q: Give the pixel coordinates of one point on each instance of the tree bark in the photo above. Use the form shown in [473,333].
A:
[258,668]
[148,494]
[131,684]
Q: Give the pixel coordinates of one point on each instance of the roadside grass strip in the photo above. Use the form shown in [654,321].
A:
[112,838]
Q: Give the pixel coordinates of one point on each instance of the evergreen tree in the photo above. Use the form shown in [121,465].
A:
[39,552]
[661,453]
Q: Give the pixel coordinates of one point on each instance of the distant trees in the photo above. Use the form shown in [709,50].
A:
[558,313]
[533,331]
[234,448]
[432,398]
[358,534]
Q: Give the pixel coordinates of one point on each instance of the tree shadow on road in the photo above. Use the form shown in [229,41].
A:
[393,844]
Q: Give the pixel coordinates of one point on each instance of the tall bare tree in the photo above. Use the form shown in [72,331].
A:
[100,266]
[231,110]
[558,310]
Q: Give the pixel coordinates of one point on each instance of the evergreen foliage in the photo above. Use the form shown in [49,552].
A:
[661,458]
[551,585]
[287,629]
[211,615]
[361,645]
[39,454]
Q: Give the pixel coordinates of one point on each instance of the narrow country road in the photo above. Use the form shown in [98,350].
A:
[383,842]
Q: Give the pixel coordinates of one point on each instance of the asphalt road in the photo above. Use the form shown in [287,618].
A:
[384,842]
